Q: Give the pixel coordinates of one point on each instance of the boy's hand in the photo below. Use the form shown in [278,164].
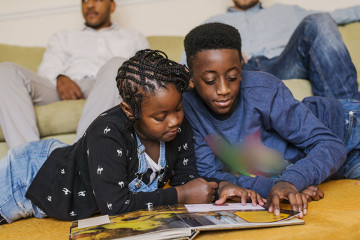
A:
[285,190]
[228,190]
[197,191]
[67,88]
[313,193]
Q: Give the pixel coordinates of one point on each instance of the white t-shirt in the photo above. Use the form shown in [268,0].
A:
[155,167]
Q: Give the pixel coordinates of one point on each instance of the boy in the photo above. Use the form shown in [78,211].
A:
[236,103]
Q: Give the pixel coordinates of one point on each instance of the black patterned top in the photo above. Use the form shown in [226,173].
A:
[93,174]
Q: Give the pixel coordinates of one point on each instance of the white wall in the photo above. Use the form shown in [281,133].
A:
[31,22]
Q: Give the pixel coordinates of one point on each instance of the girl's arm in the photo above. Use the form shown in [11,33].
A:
[110,164]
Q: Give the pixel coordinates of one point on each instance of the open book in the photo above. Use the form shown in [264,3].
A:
[179,222]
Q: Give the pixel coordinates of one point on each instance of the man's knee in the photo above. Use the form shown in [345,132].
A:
[115,62]
[319,26]
[7,70]
[320,21]
[8,67]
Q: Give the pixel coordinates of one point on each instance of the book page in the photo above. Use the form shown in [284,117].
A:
[221,207]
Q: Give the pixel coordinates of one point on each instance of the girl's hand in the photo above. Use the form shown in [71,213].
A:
[313,193]
[228,190]
[197,191]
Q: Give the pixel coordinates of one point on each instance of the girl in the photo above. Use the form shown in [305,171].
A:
[124,159]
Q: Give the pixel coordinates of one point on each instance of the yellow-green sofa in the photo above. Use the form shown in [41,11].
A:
[337,216]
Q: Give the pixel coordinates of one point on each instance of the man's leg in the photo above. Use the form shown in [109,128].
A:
[317,52]
[20,90]
[352,138]
[104,95]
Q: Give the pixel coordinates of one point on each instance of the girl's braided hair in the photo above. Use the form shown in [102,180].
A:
[146,72]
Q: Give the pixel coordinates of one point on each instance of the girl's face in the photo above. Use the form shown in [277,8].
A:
[161,115]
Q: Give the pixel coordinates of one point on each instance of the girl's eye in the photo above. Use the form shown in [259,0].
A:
[231,79]
[209,82]
[160,119]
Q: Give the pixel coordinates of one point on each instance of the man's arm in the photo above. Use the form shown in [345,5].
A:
[346,15]
[67,88]
[54,58]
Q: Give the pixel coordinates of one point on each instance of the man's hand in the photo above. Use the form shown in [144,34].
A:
[67,88]
[228,190]
[313,193]
[285,190]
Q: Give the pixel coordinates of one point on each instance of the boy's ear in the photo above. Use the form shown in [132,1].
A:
[191,82]
[127,110]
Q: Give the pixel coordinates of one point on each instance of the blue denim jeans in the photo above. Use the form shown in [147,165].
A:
[17,171]
[352,138]
[315,52]
[137,185]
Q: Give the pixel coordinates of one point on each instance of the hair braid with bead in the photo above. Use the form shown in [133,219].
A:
[146,72]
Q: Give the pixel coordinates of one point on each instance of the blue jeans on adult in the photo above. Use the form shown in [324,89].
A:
[352,138]
[315,52]
[17,171]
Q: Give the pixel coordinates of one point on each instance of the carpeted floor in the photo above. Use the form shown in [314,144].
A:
[337,216]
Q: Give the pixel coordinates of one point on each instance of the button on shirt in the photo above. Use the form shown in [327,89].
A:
[79,54]
[266,31]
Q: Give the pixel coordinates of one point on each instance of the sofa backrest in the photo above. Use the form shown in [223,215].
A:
[30,57]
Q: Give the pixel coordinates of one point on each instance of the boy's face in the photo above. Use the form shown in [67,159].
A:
[97,13]
[216,78]
[161,115]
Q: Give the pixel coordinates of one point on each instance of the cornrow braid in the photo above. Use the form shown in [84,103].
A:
[146,72]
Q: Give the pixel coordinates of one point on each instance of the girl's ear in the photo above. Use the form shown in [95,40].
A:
[191,82]
[127,110]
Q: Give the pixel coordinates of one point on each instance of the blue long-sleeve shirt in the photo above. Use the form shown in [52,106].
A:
[285,124]
[266,31]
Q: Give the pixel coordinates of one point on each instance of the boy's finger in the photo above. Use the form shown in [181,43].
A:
[274,204]
[244,197]
[253,198]
[305,204]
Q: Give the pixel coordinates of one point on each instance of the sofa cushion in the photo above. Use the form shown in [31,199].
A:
[173,46]
[29,57]
[351,36]
[57,118]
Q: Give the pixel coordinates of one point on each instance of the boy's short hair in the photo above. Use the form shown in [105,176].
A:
[146,72]
[211,36]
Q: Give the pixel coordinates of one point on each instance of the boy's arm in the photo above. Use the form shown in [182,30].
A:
[324,152]
[209,166]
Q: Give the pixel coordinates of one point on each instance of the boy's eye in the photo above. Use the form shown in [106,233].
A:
[232,79]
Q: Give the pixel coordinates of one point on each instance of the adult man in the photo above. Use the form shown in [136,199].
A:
[77,64]
[288,42]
